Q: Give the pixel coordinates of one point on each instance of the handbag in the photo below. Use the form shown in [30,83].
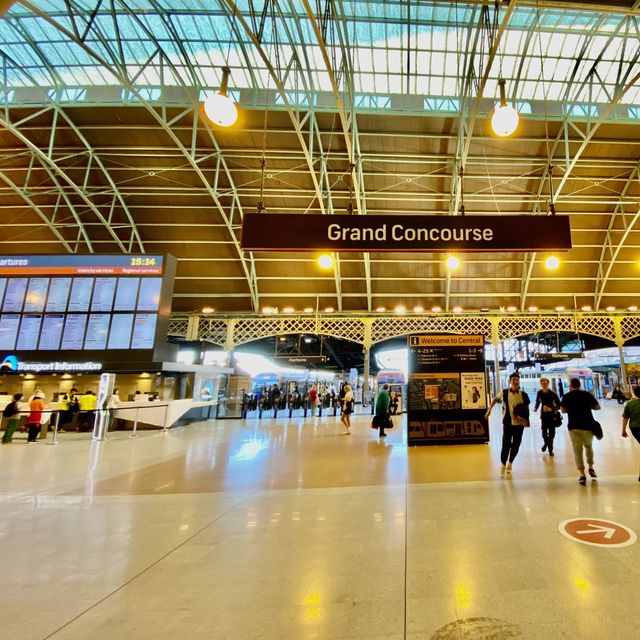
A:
[596,427]
[556,419]
[389,423]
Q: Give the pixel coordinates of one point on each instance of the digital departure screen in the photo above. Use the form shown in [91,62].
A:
[83,302]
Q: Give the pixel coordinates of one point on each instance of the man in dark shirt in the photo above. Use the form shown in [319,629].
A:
[577,404]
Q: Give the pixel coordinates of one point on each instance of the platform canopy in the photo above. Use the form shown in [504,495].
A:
[358,106]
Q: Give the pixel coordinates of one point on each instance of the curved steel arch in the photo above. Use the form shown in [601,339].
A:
[529,259]
[125,82]
[59,111]
[297,125]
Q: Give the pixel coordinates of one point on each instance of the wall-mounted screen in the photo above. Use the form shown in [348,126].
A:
[9,323]
[29,331]
[51,333]
[80,294]
[84,302]
[36,295]
[149,296]
[97,331]
[58,294]
[103,292]
[14,295]
[127,294]
[144,328]
[74,326]
[120,333]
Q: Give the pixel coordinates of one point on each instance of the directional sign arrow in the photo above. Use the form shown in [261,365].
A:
[596,528]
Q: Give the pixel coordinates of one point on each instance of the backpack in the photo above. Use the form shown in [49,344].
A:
[11,410]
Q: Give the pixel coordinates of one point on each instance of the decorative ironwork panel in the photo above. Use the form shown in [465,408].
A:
[178,327]
[386,328]
[558,323]
[298,325]
[248,330]
[513,326]
[346,328]
[630,327]
[602,326]
[212,330]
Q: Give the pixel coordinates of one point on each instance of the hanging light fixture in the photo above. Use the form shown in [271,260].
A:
[505,118]
[220,109]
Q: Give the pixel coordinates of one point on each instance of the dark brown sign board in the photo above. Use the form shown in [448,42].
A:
[428,233]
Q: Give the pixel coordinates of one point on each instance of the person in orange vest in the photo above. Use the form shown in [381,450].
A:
[36,407]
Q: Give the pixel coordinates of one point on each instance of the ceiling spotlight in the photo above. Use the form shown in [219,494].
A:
[611,308]
[505,118]
[325,261]
[418,309]
[457,309]
[400,309]
[559,308]
[586,307]
[308,309]
[267,309]
[552,263]
[633,308]
[380,309]
[288,310]
[219,108]
[484,309]
[452,263]
[436,309]
[533,309]
[282,338]
[512,309]
[308,340]
[208,309]
[329,310]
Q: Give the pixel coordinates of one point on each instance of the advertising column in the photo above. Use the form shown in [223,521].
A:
[447,390]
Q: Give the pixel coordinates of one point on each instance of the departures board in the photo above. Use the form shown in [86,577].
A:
[83,303]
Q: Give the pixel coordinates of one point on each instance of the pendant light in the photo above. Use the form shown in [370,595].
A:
[220,109]
[505,118]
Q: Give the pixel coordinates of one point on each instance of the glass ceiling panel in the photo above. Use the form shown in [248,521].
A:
[426,56]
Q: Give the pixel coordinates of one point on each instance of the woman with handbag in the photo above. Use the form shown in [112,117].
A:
[347,409]
[550,417]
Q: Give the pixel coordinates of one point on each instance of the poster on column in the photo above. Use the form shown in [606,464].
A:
[447,390]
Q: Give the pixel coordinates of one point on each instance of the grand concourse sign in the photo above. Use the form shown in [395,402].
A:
[311,232]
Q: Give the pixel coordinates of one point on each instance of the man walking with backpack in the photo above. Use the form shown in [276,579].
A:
[515,417]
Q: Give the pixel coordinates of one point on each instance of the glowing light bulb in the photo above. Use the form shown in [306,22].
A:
[208,309]
[400,309]
[329,310]
[552,263]
[308,309]
[452,263]
[436,309]
[559,308]
[533,309]
[611,308]
[221,110]
[380,309]
[505,118]
[325,261]
[457,309]
[288,310]
[418,309]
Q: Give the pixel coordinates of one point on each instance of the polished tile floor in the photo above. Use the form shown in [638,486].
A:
[285,529]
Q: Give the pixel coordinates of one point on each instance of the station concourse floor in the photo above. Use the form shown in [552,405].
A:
[285,529]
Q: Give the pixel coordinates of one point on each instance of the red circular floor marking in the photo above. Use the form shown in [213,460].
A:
[597,532]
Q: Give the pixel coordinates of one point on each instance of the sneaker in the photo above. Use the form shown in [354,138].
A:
[544,448]
[383,435]
[592,473]
[551,454]
[509,469]
[583,480]
[347,433]
[503,469]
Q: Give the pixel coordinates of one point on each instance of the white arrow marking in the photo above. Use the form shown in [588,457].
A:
[597,528]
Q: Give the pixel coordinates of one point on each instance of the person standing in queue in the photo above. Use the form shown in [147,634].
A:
[313,399]
[11,414]
[631,417]
[68,407]
[88,405]
[36,407]
[550,403]
[578,404]
[347,409]
[383,403]
[515,417]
